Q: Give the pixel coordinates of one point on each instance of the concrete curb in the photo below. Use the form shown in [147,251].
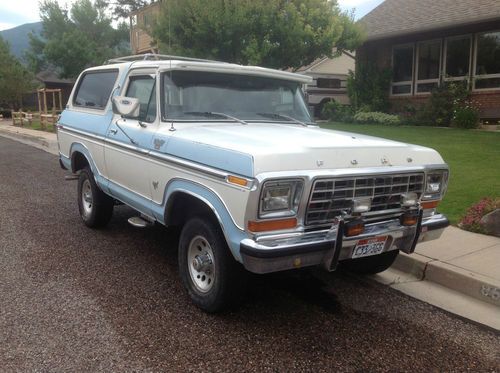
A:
[44,141]
[463,281]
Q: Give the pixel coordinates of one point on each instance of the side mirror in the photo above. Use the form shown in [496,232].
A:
[126,106]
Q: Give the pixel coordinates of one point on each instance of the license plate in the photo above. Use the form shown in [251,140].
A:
[372,246]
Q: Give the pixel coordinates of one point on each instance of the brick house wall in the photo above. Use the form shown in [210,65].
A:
[379,52]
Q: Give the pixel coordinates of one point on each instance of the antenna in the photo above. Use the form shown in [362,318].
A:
[172,128]
[169,31]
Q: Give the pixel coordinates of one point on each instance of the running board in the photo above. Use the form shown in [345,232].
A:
[139,222]
[71,177]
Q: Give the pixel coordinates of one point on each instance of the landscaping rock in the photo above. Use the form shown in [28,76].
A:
[491,222]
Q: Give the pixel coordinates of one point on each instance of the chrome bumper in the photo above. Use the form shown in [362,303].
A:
[327,247]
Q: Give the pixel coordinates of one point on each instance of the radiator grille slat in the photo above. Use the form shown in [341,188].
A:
[330,197]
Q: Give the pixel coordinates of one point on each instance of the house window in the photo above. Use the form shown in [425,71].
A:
[327,83]
[457,58]
[402,70]
[487,71]
[428,65]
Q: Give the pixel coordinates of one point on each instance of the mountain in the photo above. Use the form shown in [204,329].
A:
[18,38]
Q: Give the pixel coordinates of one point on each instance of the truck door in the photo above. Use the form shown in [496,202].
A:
[128,142]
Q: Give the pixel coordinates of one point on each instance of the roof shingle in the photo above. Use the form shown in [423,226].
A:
[399,17]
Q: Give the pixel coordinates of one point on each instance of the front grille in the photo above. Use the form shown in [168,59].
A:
[332,197]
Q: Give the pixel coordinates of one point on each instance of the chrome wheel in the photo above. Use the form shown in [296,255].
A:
[87,199]
[201,264]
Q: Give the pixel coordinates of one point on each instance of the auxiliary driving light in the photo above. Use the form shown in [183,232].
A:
[409,199]
[361,205]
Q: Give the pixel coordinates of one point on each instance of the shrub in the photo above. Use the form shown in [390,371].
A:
[443,102]
[6,113]
[376,117]
[368,87]
[337,112]
[472,219]
[465,117]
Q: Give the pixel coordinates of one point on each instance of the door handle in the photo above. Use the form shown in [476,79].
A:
[113,131]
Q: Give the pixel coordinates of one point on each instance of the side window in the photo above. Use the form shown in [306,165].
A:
[94,89]
[143,88]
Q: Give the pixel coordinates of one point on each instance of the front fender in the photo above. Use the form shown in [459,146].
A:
[232,232]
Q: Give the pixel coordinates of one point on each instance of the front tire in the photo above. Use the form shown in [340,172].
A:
[95,206]
[371,264]
[206,267]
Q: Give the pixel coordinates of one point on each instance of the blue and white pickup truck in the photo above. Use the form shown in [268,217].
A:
[230,155]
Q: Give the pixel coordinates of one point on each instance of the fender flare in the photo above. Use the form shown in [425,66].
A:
[232,232]
[80,148]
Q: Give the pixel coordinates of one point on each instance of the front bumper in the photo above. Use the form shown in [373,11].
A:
[327,247]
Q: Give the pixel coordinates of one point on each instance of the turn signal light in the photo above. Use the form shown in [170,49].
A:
[429,205]
[237,180]
[271,225]
[354,228]
[409,219]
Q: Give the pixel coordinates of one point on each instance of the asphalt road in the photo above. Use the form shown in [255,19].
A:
[74,299]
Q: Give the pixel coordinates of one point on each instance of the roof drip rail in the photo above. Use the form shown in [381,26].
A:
[156,57]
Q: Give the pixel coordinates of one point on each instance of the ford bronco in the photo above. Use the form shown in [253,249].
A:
[231,156]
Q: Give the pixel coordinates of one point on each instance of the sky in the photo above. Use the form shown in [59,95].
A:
[17,12]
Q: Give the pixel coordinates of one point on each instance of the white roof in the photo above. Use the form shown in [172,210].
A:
[221,67]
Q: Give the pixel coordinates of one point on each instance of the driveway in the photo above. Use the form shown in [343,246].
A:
[75,299]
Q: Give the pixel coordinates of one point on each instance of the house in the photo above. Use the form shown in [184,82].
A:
[428,42]
[329,80]
[141,21]
[50,80]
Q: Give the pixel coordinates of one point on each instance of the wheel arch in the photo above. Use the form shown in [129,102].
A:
[186,199]
[80,157]
[183,204]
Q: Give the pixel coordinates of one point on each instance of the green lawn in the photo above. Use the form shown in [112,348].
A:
[473,157]
[35,125]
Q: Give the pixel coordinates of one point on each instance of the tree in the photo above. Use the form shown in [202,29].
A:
[122,8]
[272,33]
[72,41]
[15,79]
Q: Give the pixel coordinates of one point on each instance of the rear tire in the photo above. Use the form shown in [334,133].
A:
[371,264]
[207,269]
[95,206]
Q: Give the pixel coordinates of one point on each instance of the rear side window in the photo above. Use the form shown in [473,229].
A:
[94,89]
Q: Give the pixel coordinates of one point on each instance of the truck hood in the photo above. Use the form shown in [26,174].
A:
[291,147]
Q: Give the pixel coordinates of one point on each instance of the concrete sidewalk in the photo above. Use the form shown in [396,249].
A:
[460,272]
[39,139]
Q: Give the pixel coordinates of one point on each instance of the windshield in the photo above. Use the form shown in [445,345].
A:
[196,95]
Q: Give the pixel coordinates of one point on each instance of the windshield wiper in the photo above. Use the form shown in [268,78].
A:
[215,114]
[283,116]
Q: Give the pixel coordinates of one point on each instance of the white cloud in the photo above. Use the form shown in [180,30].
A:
[361,7]
[17,12]
[6,26]
[352,3]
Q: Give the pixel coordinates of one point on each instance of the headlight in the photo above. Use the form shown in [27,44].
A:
[280,198]
[435,184]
